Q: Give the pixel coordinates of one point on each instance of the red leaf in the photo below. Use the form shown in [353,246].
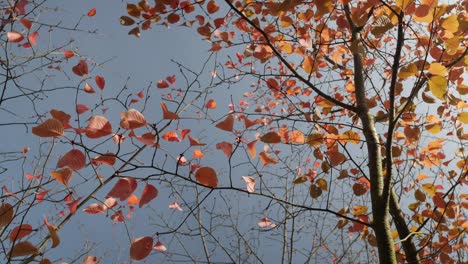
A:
[271,137]
[162,84]
[32,38]
[184,132]
[92,12]
[167,114]
[106,159]
[171,136]
[15,37]
[81,68]
[251,149]
[81,108]
[227,124]
[98,127]
[171,79]
[265,223]
[20,231]
[211,104]
[90,260]
[250,182]
[207,176]
[212,7]
[61,116]
[100,81]
[181,160]
[40,196]
[149,193]
[226,147]
[118,217]
[73,205]
[26,23]
[50,128]
[141,248]
[123,188]
[133,199]
[175,205]
[147,139]
[75,159]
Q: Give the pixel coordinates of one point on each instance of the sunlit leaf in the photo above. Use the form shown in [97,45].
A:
[95,208]
[14,37]
[175,205]
[195,142]
[92,12]
[207,176]
[123,188]
[450,23]
[250,182]
[132,119]
[359,209]
[266,223]
[171,136]
[297,137]
[300,179]
[463,117]
[50,128]
[90,260]
[266,159]
[160,247]
[211,104]
[63,176]
[53,233]
[437,69]
[88,89]
[251,149]
[81,108]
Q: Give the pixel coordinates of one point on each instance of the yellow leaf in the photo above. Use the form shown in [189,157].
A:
[351,137]
[301,178]
[286,48]
[315,140]
[429,188]
[463,117]
[438,86]
[308,64]
[359,209]
[437,69]
[433,125]
[408,71]
[451,45]
[451,23]
[323,184]
[403,4]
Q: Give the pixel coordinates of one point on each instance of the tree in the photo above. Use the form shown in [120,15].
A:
[345,131]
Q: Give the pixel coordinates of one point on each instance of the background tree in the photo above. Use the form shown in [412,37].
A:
[342,135]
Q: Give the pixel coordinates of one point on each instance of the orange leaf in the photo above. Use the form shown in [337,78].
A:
[271,137]
[63,176]
[92,12]
[147,139]
[133,199]
[68,54]
[197,154]
[74,159]
[296,137]
[24,248]
[227,124]
[50,128]
[123,188]
[14,37]
[251,149]
[141,248]
[211,104]
[53,233]
[149,193]
[106,159]
[32,38]
[167,114]
[61,116]
[20,231]
[267,159]
[226,147]
[98,127]
[195,142]
[100,81]
[81,68]
[171,136]
[95,208]
[132,119]
[207,176]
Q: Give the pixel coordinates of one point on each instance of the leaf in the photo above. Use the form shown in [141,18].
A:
[141,248]
[160,247]
[266,159]
[53,233]
[135,32]
[32,38]
[81,108]
[450,23]
[149,193]
[271,137]
[429,188]
[133,199]
[171,136]
[463,117]
[24,248]
[297,137]
[75,159]
[106,159]
[437,69]
[197,154]
[309,65]
[61,116]
[323,184]
[90,260]
[88,89]
[132,119]
[81,68]
[315,191]
[95,208]
[14,37]
[98,127]
[126,21]
[226,147]
[195,142]
[73,205]
[438,86]
[359,209]
[49,128]
[408,71]
[419,195]
[227,124]
[211,104]
[123,188]
[175,205]
[250,182]
[26,23]
[162,84]
[300,179]
[207,176]
[63,176]
[266,223]
[92,12]
[133,10]
[403,4]
[167,114]
[20,231]
[212,7]
[251,149]
[68,54]
[100,81]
